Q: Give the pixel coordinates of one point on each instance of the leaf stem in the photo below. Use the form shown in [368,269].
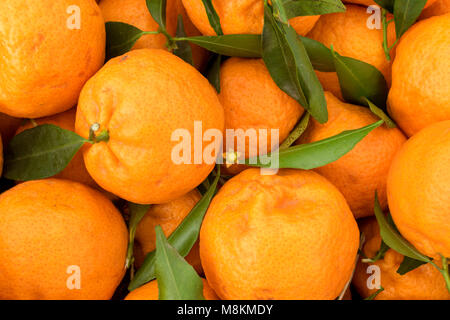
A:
[443,271]
[386,23]
[102,137]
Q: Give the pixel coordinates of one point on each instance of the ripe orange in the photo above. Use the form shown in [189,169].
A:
[423,283]
[135,12]
[438,8]
[419,190]
[76,170]
[372,3]
[53,230]
[239,16]
[150,291]
[142,99]
[285,236]
[252,101]
[168,216]
[46,57]
[350,36]
[364,170]
[421,76]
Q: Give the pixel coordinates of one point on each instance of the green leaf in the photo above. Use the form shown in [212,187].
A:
[182,239]
[177,279]
[317,154]
[360,80]
[213,17]
[289,66]
[379,255]
[406,13]
[320,56]
[157,9]
[393,238]
[295,8]
[183,48]
[297,132]
[213,73]
[380,114]
[408,265]
[137,212]
[120,38]
[233,45]
[386,4]
[375,294]
[41,152]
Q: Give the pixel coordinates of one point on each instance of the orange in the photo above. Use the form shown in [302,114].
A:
[421,76]
[168,216]
[239,16]
[364,170]
[8,127]
[76,170]
[252,101]
[135,12]
[419,190]
[440,7]
[150,291]
[423,283]
[372,3]
[52,49]
[144,99]
[349,35]
[284,236]
[55,231]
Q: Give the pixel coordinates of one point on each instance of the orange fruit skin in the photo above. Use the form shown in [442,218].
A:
[252,100]
[420,76]
[168,216]
[239,16]
[47,226]
[372,3]
[440,7]
[150,291]
[419,190]
[423,283]
[285,236]
[142,98]
[76,170]
[135,12]
[363,170]
[8,127]
[349,35]
[44,63]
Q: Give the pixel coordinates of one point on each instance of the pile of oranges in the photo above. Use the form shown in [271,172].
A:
[290,234]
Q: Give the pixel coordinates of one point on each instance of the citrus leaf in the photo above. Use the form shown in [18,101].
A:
[120,38]
[137,212]
[289,66]
[182,239]
[406,13]
[408,265]
[157,9]
[295,8]
[41,152]
[183,49]
[317,154]
[320,56]
[213,73]
[393,238]
[380,114]
[360,80]
[177,279]
[375,294]
[386,4]
[213,17]
[233,45]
